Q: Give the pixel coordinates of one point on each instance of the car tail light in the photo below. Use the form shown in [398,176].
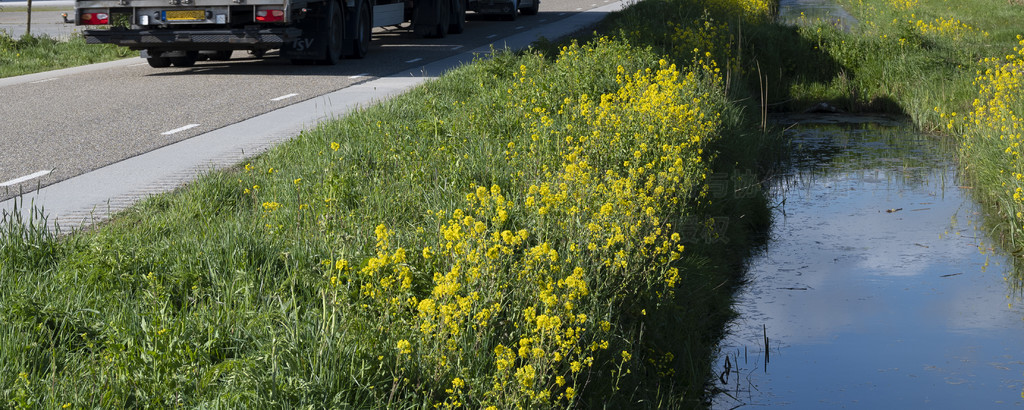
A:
[269,16]
[94,18]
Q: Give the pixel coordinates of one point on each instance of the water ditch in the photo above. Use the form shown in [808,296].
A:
[878,288]
[794,12]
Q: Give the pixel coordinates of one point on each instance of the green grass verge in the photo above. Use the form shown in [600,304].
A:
[33,54]
[562,227]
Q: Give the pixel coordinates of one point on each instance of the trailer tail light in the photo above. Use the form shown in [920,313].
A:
[94,18]
[269,15]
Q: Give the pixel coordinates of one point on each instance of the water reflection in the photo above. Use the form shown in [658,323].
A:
[877,289]
[791,12]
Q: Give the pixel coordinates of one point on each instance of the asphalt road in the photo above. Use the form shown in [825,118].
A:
[59,125]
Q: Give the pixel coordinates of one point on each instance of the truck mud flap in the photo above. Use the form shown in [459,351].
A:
[310,43]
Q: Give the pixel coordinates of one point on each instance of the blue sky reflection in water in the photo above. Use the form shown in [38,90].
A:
[876,289]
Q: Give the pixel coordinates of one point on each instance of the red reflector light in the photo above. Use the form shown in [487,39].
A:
[92,19]
[269,16]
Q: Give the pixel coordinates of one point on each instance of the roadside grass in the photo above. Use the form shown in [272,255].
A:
[561,227]
[32,54]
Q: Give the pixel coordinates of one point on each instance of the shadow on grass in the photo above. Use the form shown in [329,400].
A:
[764,61]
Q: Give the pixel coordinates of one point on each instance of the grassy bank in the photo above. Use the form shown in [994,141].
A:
[556,228]
[33,54]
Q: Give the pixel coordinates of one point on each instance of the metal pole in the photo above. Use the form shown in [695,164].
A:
[28,25]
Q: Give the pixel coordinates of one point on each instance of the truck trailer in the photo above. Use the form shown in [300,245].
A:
[181,32]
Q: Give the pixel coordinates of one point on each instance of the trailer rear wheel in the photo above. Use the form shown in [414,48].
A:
[531,10]
[188,60]
[222,55]
[159,62]
[444,17]
[458,19]
[431,18]
[364,31]
[335,34]
[511,16]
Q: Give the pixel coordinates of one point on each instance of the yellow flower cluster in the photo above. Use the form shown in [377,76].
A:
[707,34]
[904,4]
[629,160]
[746,9]
[511,298]
[992,131]
[271,206]
[383,283]
[712,36]
[950,28]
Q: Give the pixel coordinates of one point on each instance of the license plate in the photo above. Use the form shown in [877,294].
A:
[184,15]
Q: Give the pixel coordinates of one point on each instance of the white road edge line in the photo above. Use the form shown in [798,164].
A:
[414,60]
[46,80]
[177,130]
[24,178]
[284,97]
[359,75]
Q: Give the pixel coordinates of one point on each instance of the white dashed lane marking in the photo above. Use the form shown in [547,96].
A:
[177,130]
[24,178]
[284,97]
